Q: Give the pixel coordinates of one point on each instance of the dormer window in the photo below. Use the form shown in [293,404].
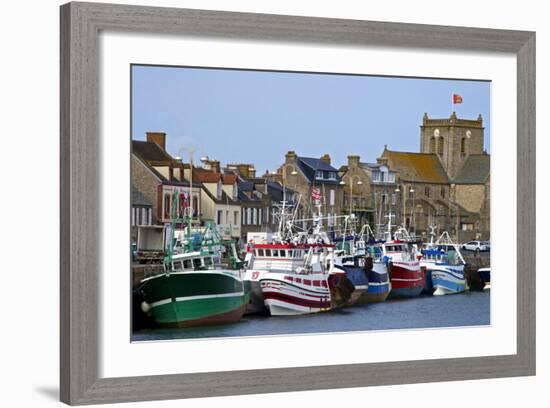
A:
[332,175]
[219,190]
[319,175]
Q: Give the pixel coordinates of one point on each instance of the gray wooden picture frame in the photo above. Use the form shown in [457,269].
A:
[80,191]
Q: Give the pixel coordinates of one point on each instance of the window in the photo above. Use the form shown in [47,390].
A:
[197,263]
[255,216]
[133,215]
[249,216]
[440,146]
[393,199]
[260,216]
[208,261]
[274,253]
[442,192]
[243,216]
[432,144]
[167,206]
[236,217]
[219,217]
[332,197]
[219,190]
[463,146]
[467,227]
[319,175]
[267,215]
[332,175]
[376,176]
[427,191]
[227,216]
[260,252]
[268,253]
[187,264]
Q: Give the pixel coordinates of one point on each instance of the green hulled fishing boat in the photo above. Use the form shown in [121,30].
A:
[195,288]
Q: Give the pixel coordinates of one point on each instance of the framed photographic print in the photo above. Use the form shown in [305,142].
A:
[261,203]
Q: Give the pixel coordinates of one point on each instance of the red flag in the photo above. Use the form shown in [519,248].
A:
[457,99]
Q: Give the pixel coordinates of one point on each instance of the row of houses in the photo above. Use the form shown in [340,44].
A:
[236,200]
[446,184]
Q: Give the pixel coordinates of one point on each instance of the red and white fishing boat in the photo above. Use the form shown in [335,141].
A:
[296,276]
[406,276]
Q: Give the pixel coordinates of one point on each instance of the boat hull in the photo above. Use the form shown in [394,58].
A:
[448,280]
[256,299]
[188,299]
[379,284]
[406,279]
[359,279]
[288,294]
[485,277]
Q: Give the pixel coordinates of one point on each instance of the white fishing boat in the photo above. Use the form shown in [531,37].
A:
[296,273]
[444,265]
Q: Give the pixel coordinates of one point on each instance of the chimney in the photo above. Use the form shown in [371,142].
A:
[215,166]
[290,157]
[353,161]
[326,158]
[158,138]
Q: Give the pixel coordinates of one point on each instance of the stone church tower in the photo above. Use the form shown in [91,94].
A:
[452,139]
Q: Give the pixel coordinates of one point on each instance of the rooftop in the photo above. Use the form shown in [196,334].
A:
[424,167]
[475,170]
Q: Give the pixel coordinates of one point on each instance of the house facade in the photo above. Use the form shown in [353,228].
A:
[313,179]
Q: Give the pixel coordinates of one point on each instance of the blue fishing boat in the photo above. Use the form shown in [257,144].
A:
[378,277]
[444,267]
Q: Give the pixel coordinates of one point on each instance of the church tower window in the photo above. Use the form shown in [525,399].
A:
[432,144]
[440,146]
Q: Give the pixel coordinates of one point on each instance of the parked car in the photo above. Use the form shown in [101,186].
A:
[477,246]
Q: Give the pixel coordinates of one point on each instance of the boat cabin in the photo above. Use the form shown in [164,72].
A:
[194,261]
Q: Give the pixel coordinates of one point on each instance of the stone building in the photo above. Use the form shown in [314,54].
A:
[307,175]
[371,190]
[260,199]
[446,184]
[158,176]
[452,140]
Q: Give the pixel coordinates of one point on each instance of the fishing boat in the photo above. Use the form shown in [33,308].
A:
[352,260]
[485,277]
[356,268]
[406,277]
[379,281]
[296,273]
[444,266]
[195,289]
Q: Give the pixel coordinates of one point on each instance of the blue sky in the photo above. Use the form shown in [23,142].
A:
[239,116]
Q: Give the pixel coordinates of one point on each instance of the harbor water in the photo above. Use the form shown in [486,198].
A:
[465,309]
